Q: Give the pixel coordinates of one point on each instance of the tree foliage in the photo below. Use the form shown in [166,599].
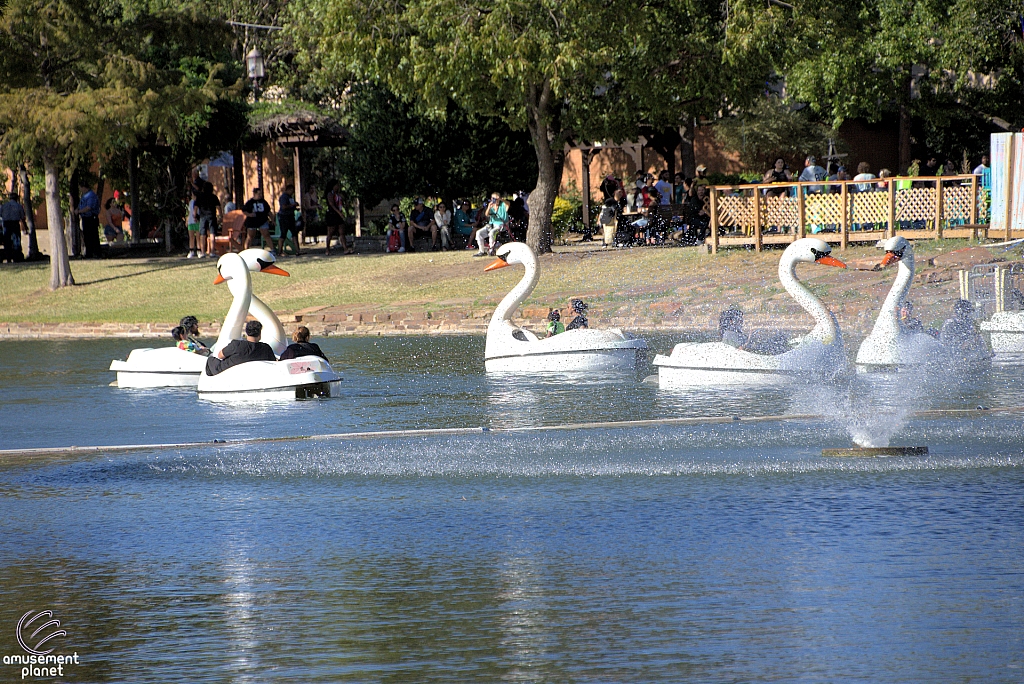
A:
[393,151]
[570,70]
[769,128]
[941,64]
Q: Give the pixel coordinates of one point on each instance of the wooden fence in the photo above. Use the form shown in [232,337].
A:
[848,211]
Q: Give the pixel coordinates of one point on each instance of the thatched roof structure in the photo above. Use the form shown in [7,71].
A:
[300,128]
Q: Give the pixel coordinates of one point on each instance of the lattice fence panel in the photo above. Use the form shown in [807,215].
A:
[780,212]
[736,212]
[956,203]
[823,210]
[915,204]
[870,207]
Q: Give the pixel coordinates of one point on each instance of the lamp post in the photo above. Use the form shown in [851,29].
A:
[257,72]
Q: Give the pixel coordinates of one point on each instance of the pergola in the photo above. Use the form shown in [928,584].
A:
[634,149]
[300,129]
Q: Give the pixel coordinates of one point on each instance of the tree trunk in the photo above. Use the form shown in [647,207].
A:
[60,266]
[904,139]
[239,177]
[687,154]
[75,229]
[133,192]
[548,145]
[30,217]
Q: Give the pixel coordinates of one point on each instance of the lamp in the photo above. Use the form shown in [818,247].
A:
[257,71]
[254,64]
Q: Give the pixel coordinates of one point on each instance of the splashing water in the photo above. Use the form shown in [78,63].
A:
[873,407]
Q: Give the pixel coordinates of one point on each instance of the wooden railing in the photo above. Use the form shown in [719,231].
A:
[848,211]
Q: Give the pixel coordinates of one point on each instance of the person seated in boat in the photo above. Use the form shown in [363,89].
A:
[960,332]
[191,326]
[181,340]
[237,352]
[301,346]
[909,324]
[580,322]
[555,325]
[730,327]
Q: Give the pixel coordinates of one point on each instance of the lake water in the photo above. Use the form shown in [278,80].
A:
[726,552]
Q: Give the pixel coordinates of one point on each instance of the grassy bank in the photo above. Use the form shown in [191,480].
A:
[650,283]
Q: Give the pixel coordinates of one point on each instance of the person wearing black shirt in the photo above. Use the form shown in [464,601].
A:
[207,207]
[580,308]
[257,218]
[286,206]
[302,346]
[421,220]
[241,351]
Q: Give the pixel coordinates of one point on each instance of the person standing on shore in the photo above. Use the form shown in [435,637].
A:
[286,206]
[257,219]
[13,216]
[89,212]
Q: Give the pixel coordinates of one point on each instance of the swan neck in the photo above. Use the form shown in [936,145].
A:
[826,329]
[241,290]
[273,331]
[889,316]
[519,293]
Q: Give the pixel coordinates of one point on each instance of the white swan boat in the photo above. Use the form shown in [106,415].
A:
[301,378]
[819,356]
[512,349]
[149,368]
[888,347]
[1006,334]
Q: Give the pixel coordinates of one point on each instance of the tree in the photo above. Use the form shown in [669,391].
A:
[75,88]
[392,151]
[928,60]
[571,70]
[768,129]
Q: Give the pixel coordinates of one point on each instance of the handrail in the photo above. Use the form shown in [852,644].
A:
[917,207]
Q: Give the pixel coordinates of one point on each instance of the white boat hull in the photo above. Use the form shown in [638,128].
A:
[707,364]
[601,360]
[1006,330]
[160,367]
[513,350]
[306,377]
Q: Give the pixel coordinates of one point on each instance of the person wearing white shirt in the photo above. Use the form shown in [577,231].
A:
[443,219]
[863,174]
[985,171]
[812,172]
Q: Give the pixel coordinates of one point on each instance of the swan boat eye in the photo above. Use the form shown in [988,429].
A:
[818,255]
[263,264]
[898,253]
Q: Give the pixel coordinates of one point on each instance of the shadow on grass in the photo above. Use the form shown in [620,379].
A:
[131,275]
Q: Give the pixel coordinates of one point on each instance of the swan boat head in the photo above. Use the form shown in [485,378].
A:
[898,249]
[262,261]
[809,251]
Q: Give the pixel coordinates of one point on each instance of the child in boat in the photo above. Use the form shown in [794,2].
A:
[580,307]
[730,327]
[555,325]
[181,338]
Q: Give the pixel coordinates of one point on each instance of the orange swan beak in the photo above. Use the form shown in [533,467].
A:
[496,264]
[831,261]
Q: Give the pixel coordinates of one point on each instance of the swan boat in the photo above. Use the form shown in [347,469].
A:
[512,349]
[301,378]
[819,356]
[149,368]
[890,348]
[1006,333]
